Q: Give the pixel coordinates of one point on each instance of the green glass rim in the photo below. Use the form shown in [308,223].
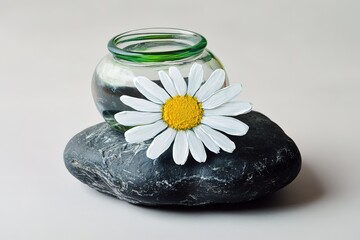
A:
[189,44]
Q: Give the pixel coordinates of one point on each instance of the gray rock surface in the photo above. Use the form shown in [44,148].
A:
[265,160]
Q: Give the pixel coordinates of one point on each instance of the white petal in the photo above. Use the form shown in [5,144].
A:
[229,109]
[167,83]
[133,118]
[208,142]
[196,77]
[214,83]
[222,96]
[178,80]
[220,139]
[180,148]
[140,104]
[151,90]
[145,132]
[228,125]
[161,143]
[196,147]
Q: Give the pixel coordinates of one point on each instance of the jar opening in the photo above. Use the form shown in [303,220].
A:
[156,45]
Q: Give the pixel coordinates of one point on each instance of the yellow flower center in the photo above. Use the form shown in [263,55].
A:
[182,112]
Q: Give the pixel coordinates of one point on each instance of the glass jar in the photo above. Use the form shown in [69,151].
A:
[144,52]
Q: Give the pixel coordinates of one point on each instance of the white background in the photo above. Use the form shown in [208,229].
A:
[299,63]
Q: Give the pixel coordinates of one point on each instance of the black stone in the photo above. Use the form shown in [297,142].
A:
[265,160]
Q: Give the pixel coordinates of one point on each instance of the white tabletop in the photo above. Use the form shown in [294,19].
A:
[298,61]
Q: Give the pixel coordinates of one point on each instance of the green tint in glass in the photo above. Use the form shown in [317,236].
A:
[157,45]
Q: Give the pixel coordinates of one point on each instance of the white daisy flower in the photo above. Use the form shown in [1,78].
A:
[188,115]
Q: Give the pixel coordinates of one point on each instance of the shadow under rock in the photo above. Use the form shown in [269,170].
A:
[305,189]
